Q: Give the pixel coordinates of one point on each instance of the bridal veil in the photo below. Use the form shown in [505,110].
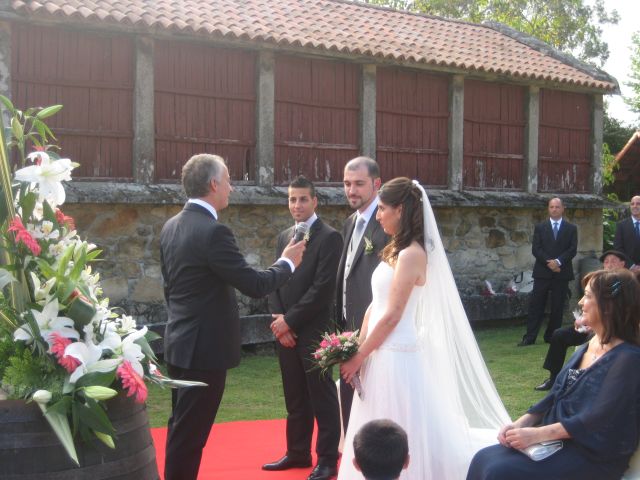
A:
[450,349]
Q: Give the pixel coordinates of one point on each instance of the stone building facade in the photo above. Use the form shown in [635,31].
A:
[487,195]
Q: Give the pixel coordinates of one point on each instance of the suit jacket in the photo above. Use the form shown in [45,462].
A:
[626,240]
[545,247]
[306,299]
[201,265]
[359,278]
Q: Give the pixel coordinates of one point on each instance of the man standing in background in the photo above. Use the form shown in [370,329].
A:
[555,243]
[627,239]
[302,310]
[364,239]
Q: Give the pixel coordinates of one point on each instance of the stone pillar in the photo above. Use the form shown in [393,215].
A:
[5,63]
[597,119]
[265,113]
[144,149]
[531,133]
[456,132]
[368,111]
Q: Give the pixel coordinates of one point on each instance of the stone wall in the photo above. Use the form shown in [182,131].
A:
[482,242]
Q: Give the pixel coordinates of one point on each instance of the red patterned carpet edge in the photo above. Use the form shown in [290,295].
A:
[237,450]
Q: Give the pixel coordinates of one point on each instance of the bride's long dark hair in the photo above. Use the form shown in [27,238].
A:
[402,191]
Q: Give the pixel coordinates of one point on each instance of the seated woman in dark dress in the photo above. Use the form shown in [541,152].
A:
[594,405]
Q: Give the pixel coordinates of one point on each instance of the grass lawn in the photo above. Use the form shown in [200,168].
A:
[254,389]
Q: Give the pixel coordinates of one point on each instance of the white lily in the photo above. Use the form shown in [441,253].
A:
[132,352]
[44,230]
[89,354]
[127,324]
[48,323]
[49,176]
[42,290]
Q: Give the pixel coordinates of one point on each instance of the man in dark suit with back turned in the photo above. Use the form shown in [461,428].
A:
[201,265]
[555,243]
[627,238]
[302,310]
[364,239]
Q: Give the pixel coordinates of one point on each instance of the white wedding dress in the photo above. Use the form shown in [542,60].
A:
[428,375]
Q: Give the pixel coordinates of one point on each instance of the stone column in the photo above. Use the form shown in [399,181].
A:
[265,113]
[597,119]
[5,63]
[144,147]
[368,111]
[531,133]
[456,132]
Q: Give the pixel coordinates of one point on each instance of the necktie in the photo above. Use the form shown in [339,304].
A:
[353,246]
[555,230]
[357,234]
[637,226]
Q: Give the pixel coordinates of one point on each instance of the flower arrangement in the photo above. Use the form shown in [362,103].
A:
[61,345]
[336,348]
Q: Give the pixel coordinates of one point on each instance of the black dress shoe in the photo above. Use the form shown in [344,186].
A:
[286,462]
[323,472]
[525,342]
[546,385]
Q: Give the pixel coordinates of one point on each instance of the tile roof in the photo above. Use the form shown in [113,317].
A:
[338,26]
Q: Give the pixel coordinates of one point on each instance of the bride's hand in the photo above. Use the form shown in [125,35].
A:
[349,368]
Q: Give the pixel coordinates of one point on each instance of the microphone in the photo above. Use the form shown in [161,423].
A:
[301,230]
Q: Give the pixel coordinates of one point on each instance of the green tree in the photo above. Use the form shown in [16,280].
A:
[615,133]
[572,26]
[634,100]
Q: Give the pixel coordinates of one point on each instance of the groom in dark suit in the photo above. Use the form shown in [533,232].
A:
[301,310]
[201,266]
[627,238]
[555,243]
[364,239]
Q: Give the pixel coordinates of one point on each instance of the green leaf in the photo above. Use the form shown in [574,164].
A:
[146,348]
[5,278]
[93,254]
[59,422]
[28,203]
[48,111]
[64,262]
[45,269]
[49,214]
[106,439]
[93,416]
[7,103]
[16,129]
[103,379]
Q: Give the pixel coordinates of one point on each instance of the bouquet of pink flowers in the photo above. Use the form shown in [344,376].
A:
[336,348]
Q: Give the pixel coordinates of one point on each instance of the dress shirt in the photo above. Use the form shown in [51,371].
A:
[559,222]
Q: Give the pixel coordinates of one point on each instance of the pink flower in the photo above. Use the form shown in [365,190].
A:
[65,220]
[132,382]
[324,343]
[335,342]
[22,235]
[58,346]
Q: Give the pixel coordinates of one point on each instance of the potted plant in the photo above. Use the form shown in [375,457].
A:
[61,345]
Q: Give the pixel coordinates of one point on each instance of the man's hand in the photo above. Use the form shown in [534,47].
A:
[294,251]
[281,330]
[553,265]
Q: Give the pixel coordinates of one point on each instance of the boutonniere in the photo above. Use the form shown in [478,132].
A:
[307,236]
[368,246]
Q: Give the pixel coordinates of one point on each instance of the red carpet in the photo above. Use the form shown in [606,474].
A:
[237,450]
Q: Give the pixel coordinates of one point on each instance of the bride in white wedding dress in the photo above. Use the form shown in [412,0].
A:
[419,363]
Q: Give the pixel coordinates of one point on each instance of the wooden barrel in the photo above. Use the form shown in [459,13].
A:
[29,450]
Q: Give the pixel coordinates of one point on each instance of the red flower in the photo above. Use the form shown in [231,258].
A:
[65,220]
[58,345]
[22,235]
[132,382]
